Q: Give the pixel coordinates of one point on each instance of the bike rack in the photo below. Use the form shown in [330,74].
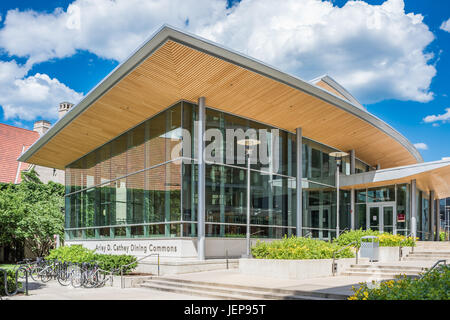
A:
[5,278]
[126,265]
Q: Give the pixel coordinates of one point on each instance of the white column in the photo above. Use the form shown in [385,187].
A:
[201,180]
[438,219]
[413,215]
[352,192]
[432,215]
[299,152]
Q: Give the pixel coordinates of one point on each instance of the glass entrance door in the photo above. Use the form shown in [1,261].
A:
[374,219]
[381,217]
[320,222]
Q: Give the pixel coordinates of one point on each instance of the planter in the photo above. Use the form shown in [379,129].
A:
[390,254]
[295,269]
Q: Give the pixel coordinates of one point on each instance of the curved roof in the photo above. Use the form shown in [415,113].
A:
[328,83]
[174,65]
[429,176]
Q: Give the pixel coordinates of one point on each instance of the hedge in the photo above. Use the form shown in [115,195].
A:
[298,248]
[385,239]
[80,254]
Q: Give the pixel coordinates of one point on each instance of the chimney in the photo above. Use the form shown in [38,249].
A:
[41,127]
[64,107]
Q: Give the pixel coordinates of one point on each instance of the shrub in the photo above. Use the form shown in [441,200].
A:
[298,248]
[442,236]
[385,239]
[11,279]
[80,254]
[74,254]
[434,286]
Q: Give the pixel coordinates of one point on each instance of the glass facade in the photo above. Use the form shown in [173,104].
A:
[139,185]
[143,184]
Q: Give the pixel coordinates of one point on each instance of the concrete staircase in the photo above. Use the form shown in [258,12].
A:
[234,292]
[384,271]
[430,251]
[425,254]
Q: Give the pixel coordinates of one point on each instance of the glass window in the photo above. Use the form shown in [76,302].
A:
[381,194]
[136,152]
[119,156]
[361,196]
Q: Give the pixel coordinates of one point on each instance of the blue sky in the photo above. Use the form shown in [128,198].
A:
[392,55]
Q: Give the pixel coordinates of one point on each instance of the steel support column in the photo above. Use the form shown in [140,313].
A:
[413,224]
[352,192]
[299,207]
[201,179]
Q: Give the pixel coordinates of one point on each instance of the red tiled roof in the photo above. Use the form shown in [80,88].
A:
[13,141]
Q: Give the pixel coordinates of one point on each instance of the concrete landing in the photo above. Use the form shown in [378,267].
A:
[340,285]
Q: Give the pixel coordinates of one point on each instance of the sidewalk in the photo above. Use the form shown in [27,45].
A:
[54,291]
[337,284]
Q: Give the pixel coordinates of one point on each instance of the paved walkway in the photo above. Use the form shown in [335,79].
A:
[337,284]
[54,291]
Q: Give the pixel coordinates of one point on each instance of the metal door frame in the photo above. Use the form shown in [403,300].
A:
[381,206]
[321,229]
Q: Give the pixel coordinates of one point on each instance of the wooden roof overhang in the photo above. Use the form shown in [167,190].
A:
[173,65]
[429,176]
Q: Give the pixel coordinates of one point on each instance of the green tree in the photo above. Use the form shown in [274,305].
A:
[31,213]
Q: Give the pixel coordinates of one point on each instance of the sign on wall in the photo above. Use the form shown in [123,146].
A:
[164,247]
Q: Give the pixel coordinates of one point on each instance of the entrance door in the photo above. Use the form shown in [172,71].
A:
[381,217]
[320,221]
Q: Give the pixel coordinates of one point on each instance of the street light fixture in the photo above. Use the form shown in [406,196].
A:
[338,155]
[248,143]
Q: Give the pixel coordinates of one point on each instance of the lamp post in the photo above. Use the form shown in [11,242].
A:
[248,143]
[338,156]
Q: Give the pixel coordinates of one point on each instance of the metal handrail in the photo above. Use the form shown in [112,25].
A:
[5,274]
[226,251]
[433,267]
[412,248]
[334,265]
[342,231]
[127,265]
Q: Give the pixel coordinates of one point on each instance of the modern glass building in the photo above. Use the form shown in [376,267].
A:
[139,176]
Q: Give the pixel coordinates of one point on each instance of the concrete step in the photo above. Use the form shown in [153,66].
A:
[386,270]
[381,275]
[390,267]
[429,253]
[220,290]
[175,289]
[424,258]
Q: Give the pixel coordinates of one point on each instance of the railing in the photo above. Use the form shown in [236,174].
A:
[342,231]
[400,248]
[433,267]
[5,275]
[226,251]
[127,265]
[334,264]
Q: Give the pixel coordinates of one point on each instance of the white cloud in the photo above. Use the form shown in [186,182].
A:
[109,29]
[421,146]
[446,25]
[438,118]
[376,51]
[30,97]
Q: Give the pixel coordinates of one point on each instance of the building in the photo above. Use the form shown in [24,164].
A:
[14,141]
[135,182]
